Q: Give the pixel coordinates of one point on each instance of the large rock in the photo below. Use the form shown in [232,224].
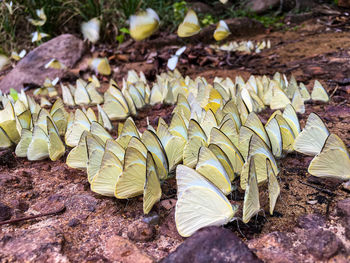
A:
[33,245]
[261,6]
[66,48]
[212,244]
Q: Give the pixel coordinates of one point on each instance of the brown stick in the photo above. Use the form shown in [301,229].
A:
[60,210]
[325,191]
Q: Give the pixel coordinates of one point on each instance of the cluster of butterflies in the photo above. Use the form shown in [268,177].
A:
[243,46]
[145,23]
[214,132]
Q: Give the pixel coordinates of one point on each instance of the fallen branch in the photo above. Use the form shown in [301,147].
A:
[15,220]
[325,191]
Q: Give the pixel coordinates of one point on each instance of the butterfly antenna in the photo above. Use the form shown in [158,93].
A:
[238,228]
[127,203]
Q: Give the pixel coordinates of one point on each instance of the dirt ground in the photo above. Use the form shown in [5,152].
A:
[313,50]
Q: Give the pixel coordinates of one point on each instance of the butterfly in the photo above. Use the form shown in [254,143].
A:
[333,161]
[311,140]
[190,25]
[222,31]
[91,30]
[319,93]
[143,24]
[172,62]
[200,203]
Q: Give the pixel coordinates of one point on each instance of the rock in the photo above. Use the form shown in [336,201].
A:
[33,245]
[274,247]
[343,207]
[344,3]
[261,6]
[82,202]
[66,48]
[212,244]
[322,244]
[119,249]
[141,231]
[5,212]
[152,218]
[311,221]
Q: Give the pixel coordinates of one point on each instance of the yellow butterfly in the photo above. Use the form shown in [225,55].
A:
[132,180]
[222,31]
[115,104]
[129,130]
[153,144]
[273,186]
[200,203]
[144,24]
[104,182]
[286,132]
[279,99]
[80,124]
[37,36]
[190,26]
[274,132]
[41,14]
[319,93]
[311,140]
[55,64]
[173,145]
[16,56]
[152,189]
[220,139]
[304,92]
[8,122]
[100,66]
[261,152]
[251,203]
[5,141]
[333,161]
[211,168]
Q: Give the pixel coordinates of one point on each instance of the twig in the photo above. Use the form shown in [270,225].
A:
[336,88]
[318,188]
[60,210]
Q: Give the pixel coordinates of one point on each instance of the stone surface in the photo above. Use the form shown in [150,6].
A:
[343,207]
[141,231]
[212,244]
[5,212]
[274,247]
[119,249]
[322,244]
[311,221]
[261,6]
[33,245]
[66,48]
